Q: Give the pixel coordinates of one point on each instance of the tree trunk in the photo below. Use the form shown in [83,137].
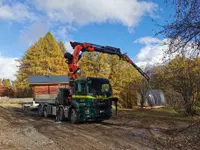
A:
[189,107]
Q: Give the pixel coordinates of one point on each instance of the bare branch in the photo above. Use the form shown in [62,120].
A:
[184,31]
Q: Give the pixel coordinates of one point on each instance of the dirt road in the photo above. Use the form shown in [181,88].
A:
[19,130]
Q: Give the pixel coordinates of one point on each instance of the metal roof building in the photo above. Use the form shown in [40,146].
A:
[35,80]
[45,88]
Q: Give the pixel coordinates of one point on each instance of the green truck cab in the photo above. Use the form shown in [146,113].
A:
[90,99]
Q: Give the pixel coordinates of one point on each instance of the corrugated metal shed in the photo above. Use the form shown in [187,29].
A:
[34,80]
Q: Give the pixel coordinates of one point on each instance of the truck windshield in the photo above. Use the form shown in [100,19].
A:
[99,87]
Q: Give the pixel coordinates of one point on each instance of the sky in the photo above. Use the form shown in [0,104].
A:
[130,25]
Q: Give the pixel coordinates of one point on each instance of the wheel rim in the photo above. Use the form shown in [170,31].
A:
[73,116]
[40,111]
[45,113]
[61,114]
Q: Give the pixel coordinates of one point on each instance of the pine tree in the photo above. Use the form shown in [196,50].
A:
[62,47]
[43,58]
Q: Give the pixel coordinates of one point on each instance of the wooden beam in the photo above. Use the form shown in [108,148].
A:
[48,89]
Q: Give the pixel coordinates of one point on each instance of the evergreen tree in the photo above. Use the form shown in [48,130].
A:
[43,58]
[62,47]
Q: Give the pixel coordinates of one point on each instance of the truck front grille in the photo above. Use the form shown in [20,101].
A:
[102,104]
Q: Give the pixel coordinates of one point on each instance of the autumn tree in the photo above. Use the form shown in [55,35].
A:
[184,40]
[94,65]
[6,83]
[1,82]
[8,88]
[43,58]
[120,73]
[184,30]
[122,76]
[182,75]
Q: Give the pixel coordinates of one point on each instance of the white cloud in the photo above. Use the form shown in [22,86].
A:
[62,32]
[16,12]
[8,67]
[153,51]
[148,40]
[32,33]
[127,12]
[62,16]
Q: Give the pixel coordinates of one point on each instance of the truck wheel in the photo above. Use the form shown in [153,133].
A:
[61,114]
[73,116]
[40,111]
[45,112]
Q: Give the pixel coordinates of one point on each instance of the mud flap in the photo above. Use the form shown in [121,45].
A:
[115,100]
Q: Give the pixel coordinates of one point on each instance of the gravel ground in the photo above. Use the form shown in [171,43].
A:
[127,131]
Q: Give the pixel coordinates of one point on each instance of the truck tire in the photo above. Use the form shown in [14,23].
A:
[40,111]
[73,116]
[45,112]
[61,114]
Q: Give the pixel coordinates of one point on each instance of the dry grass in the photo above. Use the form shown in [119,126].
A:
[10,105]
[6,100]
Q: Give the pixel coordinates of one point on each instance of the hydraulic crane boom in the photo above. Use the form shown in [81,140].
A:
[88,47]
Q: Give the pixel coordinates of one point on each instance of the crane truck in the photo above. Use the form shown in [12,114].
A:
[86,98]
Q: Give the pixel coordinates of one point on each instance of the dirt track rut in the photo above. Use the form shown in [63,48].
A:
[21,130]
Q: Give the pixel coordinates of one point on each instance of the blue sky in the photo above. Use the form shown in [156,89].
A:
[127,24]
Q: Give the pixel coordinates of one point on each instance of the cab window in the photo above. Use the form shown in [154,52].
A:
[82,89]
[75,91]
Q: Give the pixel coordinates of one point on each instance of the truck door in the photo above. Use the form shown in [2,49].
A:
[80,91]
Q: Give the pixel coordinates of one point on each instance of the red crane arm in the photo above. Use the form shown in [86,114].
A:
[75,57]
[72,59]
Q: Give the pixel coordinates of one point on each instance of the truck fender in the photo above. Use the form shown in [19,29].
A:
[61,106]
[74,104]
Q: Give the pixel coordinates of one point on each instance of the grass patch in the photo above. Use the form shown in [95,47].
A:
[165,114]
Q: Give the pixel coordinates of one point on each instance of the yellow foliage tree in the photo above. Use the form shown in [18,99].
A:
[120,73]
[183,76]
[43,58]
